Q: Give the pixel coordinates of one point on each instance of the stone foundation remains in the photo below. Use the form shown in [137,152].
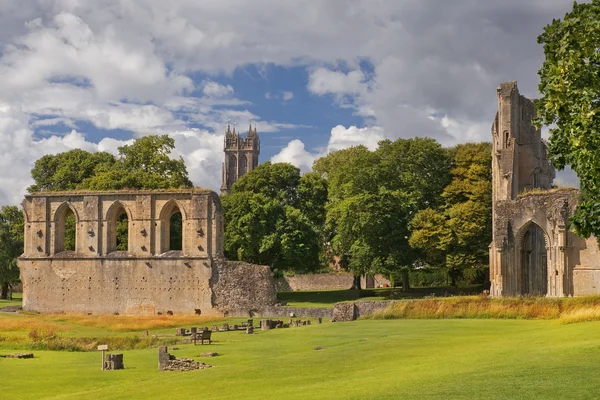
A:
[168,362]
[150,277]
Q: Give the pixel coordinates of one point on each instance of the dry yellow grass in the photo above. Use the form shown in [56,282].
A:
[133,323]
[567,310]
[28,323]
[580,315]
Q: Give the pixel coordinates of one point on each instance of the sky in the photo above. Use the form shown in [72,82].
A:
[315,75]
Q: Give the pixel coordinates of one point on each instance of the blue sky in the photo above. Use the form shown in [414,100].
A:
[315,75]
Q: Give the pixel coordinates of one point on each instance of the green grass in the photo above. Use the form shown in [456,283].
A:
[16,301]
[366,359]
[327,298]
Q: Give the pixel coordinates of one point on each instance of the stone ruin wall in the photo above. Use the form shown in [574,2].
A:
[335,281]
[148,278]
[523,198]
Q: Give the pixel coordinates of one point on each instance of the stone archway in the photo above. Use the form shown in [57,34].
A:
[533,261]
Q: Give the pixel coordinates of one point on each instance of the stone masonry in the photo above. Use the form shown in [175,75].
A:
[533,251]
[149,277]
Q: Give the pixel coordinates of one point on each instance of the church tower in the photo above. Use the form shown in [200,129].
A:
[241,155]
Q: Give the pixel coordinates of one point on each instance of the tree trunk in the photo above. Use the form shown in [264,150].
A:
[4,291]
[356,283]
[405,281]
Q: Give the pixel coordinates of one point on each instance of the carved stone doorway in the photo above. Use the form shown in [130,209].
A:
[534,262]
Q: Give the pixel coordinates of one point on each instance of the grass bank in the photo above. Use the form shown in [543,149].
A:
[564,310]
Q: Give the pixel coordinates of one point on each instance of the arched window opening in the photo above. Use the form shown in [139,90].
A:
[66,231]
[175,231]
[70,230]
[122,242]
[506,139]
[243,165]
[232,174]
[118,229]
[172,218]
[534,262]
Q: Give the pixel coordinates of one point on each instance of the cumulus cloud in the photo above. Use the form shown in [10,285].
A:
[407,68]
[340,138]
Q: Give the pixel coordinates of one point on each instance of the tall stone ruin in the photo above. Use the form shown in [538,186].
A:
[533,252]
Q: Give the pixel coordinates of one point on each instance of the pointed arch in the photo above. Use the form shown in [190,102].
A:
[533,254]
[232,172]
[66,221]
[526,226]
[118,228]
[243,165]
[171,229]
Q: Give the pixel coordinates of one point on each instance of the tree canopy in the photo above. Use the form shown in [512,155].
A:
[145,164]
[456,234]
[373,195]
[570,99]
[273,216]
[11,246]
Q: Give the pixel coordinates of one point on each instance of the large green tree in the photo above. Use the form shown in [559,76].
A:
[145,164]
[275,217]
[11,246]
[570,99]
[456,234]
[67,171]
[372,198]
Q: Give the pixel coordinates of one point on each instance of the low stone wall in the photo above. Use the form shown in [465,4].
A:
[239,285]
[334,281]
[352,311]
[283,312]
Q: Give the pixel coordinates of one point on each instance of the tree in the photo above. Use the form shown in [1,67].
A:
[269,219]
[456,234]
[372,198]
[11,246]
[66,171]
[570,98]
[145,164]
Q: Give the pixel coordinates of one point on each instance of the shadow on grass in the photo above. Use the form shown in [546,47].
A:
[327,298]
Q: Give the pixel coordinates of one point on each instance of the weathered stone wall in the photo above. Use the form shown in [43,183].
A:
[148,278]
[351,311]
[533,250]
[242,286]
[336,281]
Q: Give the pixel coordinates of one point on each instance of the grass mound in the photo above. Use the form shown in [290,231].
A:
[565,310]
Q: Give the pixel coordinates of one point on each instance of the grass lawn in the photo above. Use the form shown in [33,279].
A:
[327,298]
[365,359]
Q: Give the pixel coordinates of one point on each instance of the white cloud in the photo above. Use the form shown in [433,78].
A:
[287,96]
[341,137]
[295,154]
[128,65]
[214,89]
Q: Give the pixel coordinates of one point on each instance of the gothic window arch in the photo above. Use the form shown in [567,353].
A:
[172,218]
[65,223]
[232,172]
[118,221]
[243,165]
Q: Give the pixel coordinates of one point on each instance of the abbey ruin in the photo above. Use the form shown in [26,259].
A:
[156,271]
[533,252]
